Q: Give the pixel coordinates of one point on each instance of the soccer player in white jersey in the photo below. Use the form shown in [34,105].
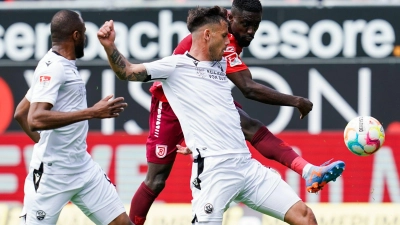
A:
[198,90]
[61,169]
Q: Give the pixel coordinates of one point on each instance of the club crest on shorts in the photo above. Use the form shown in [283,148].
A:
[40,214]
[208,208]
[161,151]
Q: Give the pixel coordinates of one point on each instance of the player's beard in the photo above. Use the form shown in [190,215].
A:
[79,50]
[242,40]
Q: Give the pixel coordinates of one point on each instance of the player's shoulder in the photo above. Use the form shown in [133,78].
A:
[51,64]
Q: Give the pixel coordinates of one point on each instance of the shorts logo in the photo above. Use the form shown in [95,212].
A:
[40,214]
[208,208]
[161,151]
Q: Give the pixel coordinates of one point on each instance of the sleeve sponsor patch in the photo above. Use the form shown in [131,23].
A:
[44,80]
[233,59]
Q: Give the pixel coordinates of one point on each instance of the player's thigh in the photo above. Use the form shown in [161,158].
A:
[43,205]
[165,133]
[99,199]
[266,192]
[214,184]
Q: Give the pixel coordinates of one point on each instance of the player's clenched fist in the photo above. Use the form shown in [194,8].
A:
[106,33]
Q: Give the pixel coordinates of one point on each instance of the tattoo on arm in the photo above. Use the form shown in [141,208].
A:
[140,76]
[118,59]
[117,62]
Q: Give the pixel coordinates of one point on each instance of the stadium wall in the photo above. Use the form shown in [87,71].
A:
[344,59]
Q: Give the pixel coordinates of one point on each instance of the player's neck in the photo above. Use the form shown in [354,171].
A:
[64,51]
[201,54]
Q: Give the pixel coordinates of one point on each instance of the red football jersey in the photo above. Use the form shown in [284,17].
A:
[232,52]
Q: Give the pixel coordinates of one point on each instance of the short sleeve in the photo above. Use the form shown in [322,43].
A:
[234,62]
[161,69]
[46,84]
[28,95]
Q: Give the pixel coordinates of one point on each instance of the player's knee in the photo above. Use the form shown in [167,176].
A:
[250,127]
[157,184]
[300,214]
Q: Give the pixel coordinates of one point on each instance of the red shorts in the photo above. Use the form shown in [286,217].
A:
[165,133]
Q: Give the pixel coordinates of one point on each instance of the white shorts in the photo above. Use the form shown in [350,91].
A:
[238,178]
[91,191]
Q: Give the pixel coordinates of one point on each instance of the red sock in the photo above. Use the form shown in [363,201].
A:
[141,203]
[274,148]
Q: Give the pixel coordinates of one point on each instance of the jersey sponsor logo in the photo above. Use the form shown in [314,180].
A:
[44,80]
[233,59]
[40,214]
[208,208]
[161,151]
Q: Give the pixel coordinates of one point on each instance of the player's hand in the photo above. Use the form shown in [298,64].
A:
[304,106]
[106,33]
[183,150]
[108,108]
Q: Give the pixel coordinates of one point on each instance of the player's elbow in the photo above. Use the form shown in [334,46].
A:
[248,92]
[19,115]
[34,124]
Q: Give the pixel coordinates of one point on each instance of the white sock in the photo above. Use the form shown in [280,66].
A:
[306,169]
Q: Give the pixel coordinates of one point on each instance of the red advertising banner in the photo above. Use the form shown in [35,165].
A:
[371,179]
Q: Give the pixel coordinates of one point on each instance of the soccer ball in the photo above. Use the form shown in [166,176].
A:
[364,135]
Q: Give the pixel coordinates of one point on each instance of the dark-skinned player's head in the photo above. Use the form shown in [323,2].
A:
[68,26]
[209,26]
[244,19]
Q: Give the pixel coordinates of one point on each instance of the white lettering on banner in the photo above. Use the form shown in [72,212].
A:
[20,39]
[42,31]
[2,47]
[280,84]
[9,156]
[384,171]
[128,177]
[135,47]
[318,48]
[167,30]
[319,87]
[294,39]
[291,41]
[107,88]
[295,44]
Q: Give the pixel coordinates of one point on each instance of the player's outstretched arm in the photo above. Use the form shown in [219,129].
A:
[21,116]
[41,117]
[119,64]
[258,92]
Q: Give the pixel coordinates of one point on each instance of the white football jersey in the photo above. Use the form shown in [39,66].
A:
[57,81]
[200,95]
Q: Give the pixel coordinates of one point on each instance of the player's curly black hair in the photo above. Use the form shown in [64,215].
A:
[64,23]
[247,5]
[204,15]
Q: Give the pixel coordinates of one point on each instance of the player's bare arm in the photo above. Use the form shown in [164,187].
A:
[21,116]
[258,92]
[120,65]
[41,117]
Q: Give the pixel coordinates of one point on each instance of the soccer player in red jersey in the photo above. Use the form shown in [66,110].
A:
[165,131]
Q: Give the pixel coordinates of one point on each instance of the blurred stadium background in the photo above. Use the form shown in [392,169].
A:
[343,55]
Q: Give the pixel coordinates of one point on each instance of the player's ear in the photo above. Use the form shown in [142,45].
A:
[230,18]
[207,34]
[75,35]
